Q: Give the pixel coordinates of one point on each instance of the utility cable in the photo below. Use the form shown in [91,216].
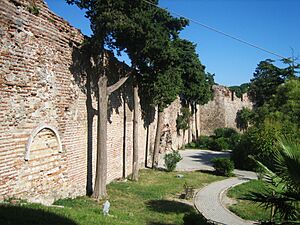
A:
[219,31]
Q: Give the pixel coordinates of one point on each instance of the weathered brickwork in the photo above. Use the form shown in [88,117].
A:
[222,111]
[39,88]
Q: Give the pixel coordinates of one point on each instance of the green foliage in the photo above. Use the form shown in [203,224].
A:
[224,132]
[182,121]
[278,116]
[267,78]
[224,139]
[283,192]
[197,85]
[220,144]
[243,118]
[166,88]
[223,166]
[192,145]
[285,105]
[260,142]
[240,90]
[275,92]
[204,142]
[171,159]
[147,34]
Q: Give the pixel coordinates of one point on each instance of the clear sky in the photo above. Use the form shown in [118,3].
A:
[271,24]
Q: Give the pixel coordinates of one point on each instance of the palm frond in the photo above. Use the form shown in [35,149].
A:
[287,163]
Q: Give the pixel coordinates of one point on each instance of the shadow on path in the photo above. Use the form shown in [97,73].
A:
[198,159]
[205,157]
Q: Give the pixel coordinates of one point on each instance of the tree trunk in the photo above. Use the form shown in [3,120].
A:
[196,122]
[135,166]
[183,139]
[101,165]
[190,132]
[157,139]
[124,138]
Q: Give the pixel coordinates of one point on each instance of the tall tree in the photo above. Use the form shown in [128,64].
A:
[124,25]
[108,19]
[197,85]
[155,56]
[144,45]
[268,77]
[163,82]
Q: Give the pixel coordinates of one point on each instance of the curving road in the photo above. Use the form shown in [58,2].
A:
[208,200]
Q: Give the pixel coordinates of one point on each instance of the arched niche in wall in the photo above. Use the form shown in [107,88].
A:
[35,132]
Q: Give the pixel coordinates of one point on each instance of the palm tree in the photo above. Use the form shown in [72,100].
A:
[282,192]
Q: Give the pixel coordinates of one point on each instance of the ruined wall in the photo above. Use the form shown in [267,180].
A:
[221,111]
[37,88]
[48,124]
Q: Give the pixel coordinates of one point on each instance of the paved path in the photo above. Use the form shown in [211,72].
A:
[209,199]
[198,159]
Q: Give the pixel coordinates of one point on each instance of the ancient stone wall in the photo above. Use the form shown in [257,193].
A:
[48,124]
[221,111]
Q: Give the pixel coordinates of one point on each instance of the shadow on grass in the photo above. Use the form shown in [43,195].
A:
[190,218]
[210,172]
[165,206]
[17,215]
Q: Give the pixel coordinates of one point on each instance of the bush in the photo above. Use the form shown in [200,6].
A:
[259,142]
[223,166]
[234,140]
[220,144]
[191,145]
[204,142]
[224,132]
[224,139]
[171,160]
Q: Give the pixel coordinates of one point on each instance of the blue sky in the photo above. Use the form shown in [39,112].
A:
[271,24]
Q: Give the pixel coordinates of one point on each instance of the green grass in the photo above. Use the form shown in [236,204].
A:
[154,200]
[247,209]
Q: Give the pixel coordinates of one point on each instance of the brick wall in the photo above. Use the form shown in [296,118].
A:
[41,86]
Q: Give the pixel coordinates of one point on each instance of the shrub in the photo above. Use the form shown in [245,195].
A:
[223,166]
[224,132]
[191,145]
[220,144]
[259,142]
[171,160]
[234,140]
[204,142]
[224,139]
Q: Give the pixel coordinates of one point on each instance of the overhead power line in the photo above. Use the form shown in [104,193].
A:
[219,31]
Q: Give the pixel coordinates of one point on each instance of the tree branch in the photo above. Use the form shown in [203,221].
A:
[118,84]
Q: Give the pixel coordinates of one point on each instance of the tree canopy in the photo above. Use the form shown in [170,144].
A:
[197,85]
[267,78]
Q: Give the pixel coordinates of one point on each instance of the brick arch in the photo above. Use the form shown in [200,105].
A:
[35,132]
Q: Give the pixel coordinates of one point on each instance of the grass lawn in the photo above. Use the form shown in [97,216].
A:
[247,209]
[154,200]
